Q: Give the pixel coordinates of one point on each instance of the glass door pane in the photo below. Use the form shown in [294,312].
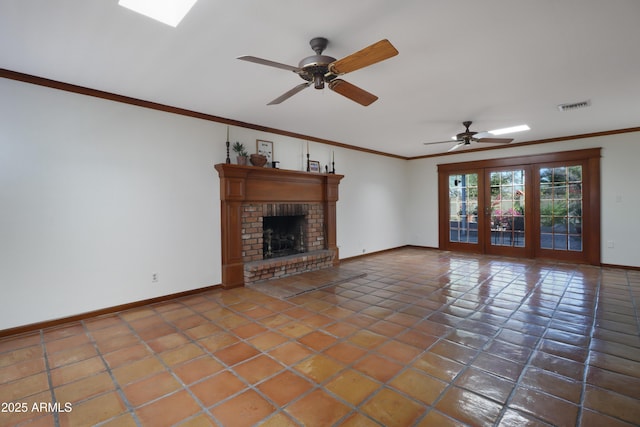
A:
[507,220]
[561,208]
[463,208]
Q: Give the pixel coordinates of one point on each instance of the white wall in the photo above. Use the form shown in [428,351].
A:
[96,196]
[620,178]
[373,203]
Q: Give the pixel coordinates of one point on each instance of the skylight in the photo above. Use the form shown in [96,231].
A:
[169,12]
[511,129]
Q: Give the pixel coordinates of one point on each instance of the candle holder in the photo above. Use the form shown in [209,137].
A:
[228,158]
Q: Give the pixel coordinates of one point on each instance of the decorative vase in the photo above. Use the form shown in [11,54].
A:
[242,160]
[258,160]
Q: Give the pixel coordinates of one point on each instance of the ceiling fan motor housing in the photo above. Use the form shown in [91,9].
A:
[315,68]
[467,135]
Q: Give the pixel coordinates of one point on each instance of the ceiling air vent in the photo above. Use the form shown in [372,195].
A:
[574,105]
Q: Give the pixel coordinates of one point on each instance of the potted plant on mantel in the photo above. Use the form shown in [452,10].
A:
[241,152]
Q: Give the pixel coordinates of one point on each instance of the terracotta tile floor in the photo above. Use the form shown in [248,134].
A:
[426,338]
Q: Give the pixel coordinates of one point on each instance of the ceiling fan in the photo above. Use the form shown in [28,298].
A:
[319,69]
[465,138]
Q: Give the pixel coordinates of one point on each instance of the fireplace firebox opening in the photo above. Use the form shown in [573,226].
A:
[283,235]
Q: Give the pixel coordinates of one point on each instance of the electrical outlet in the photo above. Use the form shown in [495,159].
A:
[154,277]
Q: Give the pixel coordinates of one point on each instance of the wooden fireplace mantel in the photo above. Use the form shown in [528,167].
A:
[246,184]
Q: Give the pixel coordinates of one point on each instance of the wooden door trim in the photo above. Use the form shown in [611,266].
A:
[561,156]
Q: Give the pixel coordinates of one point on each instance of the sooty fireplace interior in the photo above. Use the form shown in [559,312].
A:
[283,235]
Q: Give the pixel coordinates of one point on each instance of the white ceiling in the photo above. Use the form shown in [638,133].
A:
[496,62]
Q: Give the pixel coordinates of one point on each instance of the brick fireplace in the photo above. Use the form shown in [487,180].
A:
[275,222]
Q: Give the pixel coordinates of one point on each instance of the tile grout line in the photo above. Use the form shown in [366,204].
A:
[56,416]
[585,373]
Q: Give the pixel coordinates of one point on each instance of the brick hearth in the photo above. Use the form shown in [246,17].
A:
[274,268]
[256,267]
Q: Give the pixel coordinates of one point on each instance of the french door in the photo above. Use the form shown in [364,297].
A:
[506,219]
[543,206]
[487,211]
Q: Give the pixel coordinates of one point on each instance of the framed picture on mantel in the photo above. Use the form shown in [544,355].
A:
[266,149]
[314,166]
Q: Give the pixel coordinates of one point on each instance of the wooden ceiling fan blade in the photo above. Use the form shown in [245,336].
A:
[495,140]
[288,94]
[268,63]
[352,92]
[363,58]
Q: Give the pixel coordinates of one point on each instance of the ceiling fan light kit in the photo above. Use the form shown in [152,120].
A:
[321,69]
